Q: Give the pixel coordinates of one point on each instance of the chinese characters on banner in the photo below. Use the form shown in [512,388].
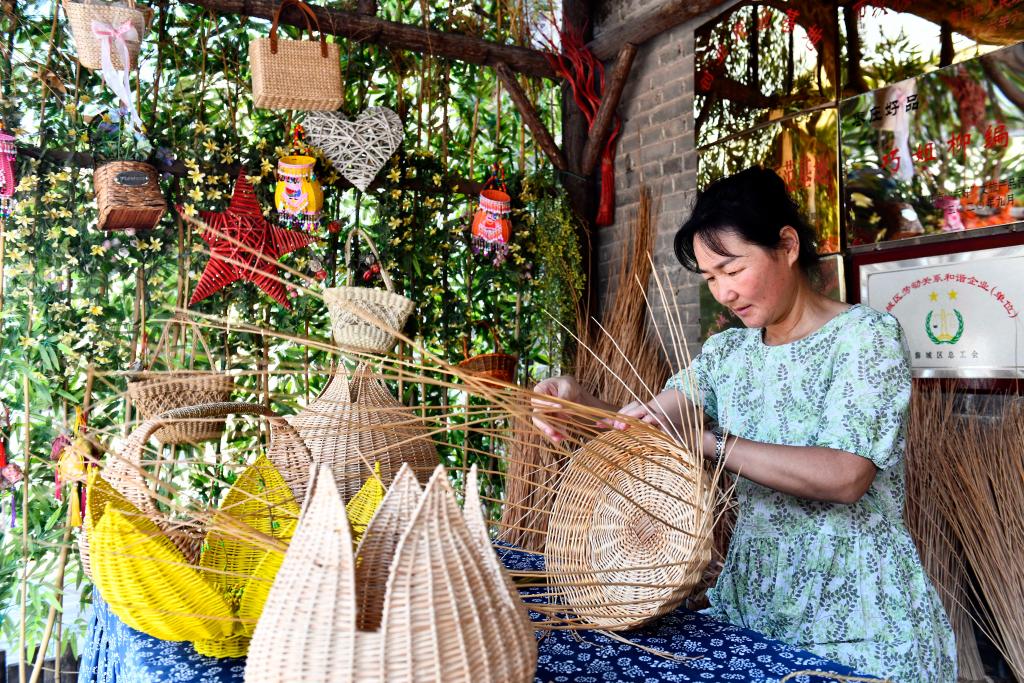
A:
[961,318]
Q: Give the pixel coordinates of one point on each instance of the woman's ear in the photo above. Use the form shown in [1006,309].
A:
[789,243]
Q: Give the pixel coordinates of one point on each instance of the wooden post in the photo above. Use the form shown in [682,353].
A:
[606,110]
[530,117]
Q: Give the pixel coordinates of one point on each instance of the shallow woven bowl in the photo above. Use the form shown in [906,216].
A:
[630,533]
[154,393]
[365,330]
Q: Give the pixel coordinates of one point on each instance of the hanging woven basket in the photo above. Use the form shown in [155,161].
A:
[630,533]
[108,15]
[202,579]
[362,317]
[155,393]
[499,365]
[128,196]
[356,425]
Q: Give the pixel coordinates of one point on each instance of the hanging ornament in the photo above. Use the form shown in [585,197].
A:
[298,196]
[358,149]
[244,246]
[492,222]
[7,182]
[73,455]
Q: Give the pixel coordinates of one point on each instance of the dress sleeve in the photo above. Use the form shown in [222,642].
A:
[700,374]
[867,403]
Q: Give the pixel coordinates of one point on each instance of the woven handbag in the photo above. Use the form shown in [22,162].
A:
[128,195]
[498,365]
[81,16]
[364,318]
[295,74]
[630,533]
[356,424]
[423,598]
[154,393]
[202,580]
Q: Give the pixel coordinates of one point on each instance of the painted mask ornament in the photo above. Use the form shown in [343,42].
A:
[492,222]
[7,182]
[298,196]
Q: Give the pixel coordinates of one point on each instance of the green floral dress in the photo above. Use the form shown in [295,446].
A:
[842,581]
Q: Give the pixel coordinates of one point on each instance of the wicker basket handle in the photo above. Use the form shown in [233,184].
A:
[373,248]
[163,346]
[498,348]
[311,20]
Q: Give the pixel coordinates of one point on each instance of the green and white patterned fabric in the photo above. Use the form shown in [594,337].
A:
[841,581]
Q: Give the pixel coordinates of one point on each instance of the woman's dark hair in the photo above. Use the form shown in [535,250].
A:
[752,204]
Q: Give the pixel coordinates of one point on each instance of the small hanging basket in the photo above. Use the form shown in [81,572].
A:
[128,195]
[498,365]
[155,393]
[114,18]
[362,316]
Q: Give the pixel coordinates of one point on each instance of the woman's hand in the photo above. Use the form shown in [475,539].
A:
[664,411]
[565,388]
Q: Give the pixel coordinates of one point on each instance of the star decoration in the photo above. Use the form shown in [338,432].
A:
[244,246]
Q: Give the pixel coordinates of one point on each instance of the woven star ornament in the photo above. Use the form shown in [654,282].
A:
[244,246]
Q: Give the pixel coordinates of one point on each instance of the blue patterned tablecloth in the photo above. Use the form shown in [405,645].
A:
[116,653]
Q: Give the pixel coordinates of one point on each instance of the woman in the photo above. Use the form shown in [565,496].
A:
[811,403]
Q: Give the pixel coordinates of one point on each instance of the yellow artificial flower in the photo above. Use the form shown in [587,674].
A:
[70,231]
[395,194]
[98,250]
[189,209]
[266,166]
[191,164]
[261,144]
[210,146]
[155,244]
[196,176]
[195,193]
[437,179]
[394,175]
[214,195]
[95,309]
[202,128]
[27,342]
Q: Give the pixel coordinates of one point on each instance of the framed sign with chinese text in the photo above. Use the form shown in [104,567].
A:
[960,311]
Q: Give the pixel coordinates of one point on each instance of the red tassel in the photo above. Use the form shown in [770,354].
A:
[56,481]
[606,208]
[3,455]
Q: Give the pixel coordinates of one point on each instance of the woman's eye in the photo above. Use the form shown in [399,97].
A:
[732,273]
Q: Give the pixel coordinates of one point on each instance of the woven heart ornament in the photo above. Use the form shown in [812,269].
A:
[358,149]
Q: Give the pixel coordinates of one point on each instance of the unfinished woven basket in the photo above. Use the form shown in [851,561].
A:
[362,318]
[81,15]
[630,533]
[128,195]
[155,393]
[295,74]
[126,472]
[447,613]
[149,567]
[356,424]
[498,365]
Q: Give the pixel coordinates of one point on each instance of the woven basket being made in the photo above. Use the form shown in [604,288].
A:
[630,533]
[154,393]
[89,47]
[151,584]
[362,317]
[295,74]
[356,424]
[423,598]
[128,195]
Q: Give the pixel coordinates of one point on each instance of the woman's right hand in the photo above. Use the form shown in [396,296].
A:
[564,388]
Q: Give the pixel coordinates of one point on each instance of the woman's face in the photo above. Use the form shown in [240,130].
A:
[757,284]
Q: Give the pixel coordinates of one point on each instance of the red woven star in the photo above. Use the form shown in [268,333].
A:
[244,246]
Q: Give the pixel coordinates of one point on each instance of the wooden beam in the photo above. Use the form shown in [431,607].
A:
[647,25]
[368,29]
[530,117]
[177,169]
[606,110]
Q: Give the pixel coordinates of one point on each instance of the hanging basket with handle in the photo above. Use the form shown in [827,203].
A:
[295,74]
[362,317]
[204,579]
[128,196]
[154,393]
[95,23]
[498,365]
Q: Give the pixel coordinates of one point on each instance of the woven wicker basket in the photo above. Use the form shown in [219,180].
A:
[356,424]
[630,533]
[128,196]
[82,14]
[155,393]
[498,365]
[295,74]
[362,317]
[441,606]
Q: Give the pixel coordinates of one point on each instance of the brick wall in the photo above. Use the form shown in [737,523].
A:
[656,149]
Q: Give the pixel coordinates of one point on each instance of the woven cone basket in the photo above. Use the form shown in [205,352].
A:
[362,317]
[128,195]
[356,424]
[88,46]
[630,533]
[448,613]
